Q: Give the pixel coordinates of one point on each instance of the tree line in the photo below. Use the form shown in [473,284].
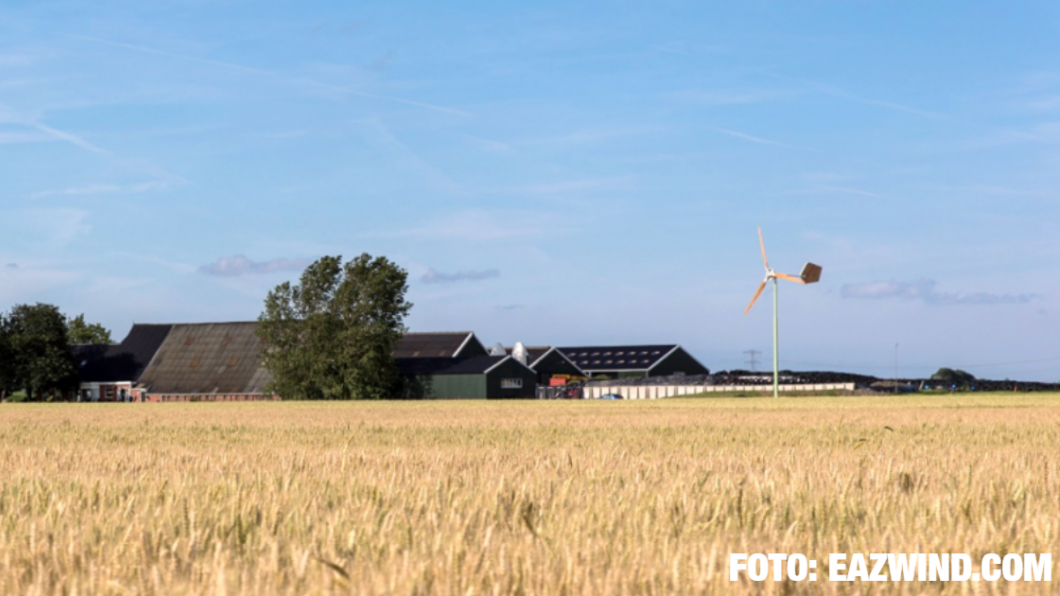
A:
[36,358]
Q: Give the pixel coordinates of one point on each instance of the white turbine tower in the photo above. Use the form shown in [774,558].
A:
[810,274]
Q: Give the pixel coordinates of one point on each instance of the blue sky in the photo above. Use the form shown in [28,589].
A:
[554,173]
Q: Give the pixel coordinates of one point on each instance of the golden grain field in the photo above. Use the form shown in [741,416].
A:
[546,498]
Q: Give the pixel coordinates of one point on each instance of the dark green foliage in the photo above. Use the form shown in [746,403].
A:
[7,360]
[38,359]
[81,332]
[953,376]
[332,335]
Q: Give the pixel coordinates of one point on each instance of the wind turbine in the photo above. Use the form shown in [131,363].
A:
[810,274]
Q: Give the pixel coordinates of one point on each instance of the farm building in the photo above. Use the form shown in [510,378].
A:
[112,372]
[550,363]
[222,362]
[207,362]
[445,344]
[473,377]
[634,361]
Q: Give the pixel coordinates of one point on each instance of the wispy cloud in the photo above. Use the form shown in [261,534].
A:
[870,101]
[66,136]
[94,189]
[434,276]
[746,137]
[33,121]
[477,225]
[846,190]
[488,145]
[237,265]
[989,190]
[301,82]
[380,134]
[727,97]
[1045,104]
[683,48]
[10,138]
[510,306]
[573,186]
[837,190]
[924,290]
[12,265]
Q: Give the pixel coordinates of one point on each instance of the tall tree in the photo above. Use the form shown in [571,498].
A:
[7,360]
[81,332]
[43,364]
[332,336]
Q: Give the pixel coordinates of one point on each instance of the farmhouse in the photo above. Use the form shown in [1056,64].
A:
[112,372]
[634,361]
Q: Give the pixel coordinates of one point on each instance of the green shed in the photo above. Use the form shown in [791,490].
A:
[475,377]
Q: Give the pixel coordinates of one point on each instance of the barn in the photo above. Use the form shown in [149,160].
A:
[207,362]
[634,361]
[472,377]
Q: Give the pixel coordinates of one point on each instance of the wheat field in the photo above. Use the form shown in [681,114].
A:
[547,498]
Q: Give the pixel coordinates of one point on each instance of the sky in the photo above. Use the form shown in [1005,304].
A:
[556,173]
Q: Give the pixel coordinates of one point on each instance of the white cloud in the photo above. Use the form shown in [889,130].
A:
[93,189]
[924,290]
[240,265]
[434,276]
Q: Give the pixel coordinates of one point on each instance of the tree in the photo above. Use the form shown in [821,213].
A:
[332,336]
[7,360]
[81,332]
[953,376]
[39,346]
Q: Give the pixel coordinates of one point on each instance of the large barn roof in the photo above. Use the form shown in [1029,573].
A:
[208,358]
[120,362]
[472,365]
[618,358]
[447,344]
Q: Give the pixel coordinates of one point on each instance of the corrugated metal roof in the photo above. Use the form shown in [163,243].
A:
[208,358]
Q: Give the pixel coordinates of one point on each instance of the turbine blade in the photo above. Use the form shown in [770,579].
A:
[757,294]
[762,243]
[797,280]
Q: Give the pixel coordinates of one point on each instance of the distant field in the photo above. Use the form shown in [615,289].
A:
[562,497]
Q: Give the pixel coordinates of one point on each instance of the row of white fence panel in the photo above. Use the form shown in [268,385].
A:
[660,391]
